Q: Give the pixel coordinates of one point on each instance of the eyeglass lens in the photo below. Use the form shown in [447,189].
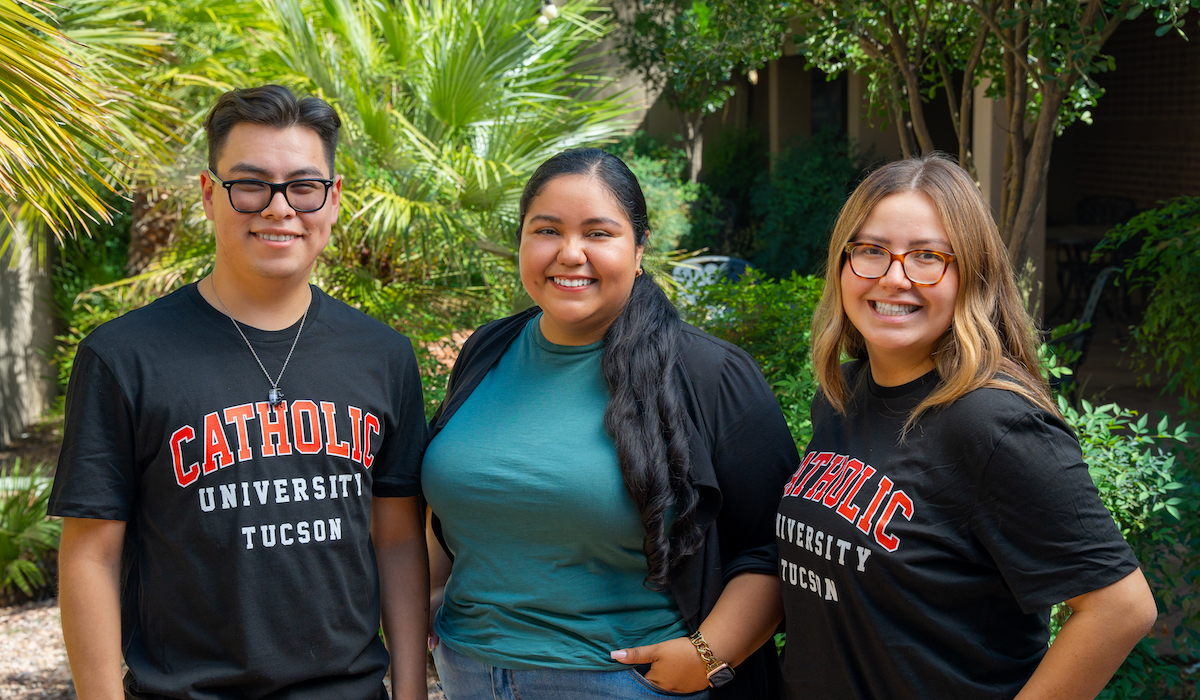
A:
[301,195]
[920,266]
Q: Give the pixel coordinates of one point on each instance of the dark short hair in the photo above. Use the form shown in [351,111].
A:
[270,105]
[612,173]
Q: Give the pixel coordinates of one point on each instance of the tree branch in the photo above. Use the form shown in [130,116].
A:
[1009,46]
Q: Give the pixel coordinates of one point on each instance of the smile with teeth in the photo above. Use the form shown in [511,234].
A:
[572,282]
[278,238]
[885,309]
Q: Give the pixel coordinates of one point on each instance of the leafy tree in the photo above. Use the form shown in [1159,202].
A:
[691,49]
[1040,56]
[75,110]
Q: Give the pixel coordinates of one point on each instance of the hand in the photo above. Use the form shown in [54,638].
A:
[675,665]
[436,596]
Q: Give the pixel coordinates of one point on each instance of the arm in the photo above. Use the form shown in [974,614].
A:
[399,541]
[89,567]
[743,619]
[1104,626]
[439,573]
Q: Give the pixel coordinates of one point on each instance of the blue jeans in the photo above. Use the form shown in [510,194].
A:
[464,678]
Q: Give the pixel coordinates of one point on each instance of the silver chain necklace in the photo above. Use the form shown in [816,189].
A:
[275,395]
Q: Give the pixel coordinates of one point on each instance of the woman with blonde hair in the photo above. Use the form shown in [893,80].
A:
[943,506]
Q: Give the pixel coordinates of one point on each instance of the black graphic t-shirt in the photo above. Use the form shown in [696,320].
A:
[248,569]
[926,568]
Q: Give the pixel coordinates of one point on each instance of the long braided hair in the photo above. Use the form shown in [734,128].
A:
[646,414]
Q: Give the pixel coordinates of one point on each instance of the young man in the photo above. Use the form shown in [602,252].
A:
[241,461]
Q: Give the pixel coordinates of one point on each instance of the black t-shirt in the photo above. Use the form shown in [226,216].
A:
[248,569]
[925,568]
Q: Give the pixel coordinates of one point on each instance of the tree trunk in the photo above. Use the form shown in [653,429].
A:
[693,142]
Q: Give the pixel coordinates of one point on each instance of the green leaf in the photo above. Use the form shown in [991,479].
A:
[1134,12]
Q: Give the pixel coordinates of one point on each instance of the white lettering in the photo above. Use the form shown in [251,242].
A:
[281,495]
[863,553]
[843,545]
[211,503]
[299,490]
[284,538]
[248,531]
[228,496]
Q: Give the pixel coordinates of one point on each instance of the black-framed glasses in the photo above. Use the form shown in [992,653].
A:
[921,267]
[250,196]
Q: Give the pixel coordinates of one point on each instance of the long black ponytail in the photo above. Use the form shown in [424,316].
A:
[646,414]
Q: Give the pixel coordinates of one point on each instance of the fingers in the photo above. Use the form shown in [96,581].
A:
[636,655]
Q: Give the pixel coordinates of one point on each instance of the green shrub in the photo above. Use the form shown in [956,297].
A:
[721,217]
[671,202]
[28,539]
[83,262]
[1167,263]
[770,319]
[798,202]
[1151,497]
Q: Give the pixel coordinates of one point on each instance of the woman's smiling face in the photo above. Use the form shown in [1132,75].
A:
[901,322]
[578,258]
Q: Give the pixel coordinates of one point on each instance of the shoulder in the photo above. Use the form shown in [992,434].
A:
[706,357]
[163,317]
[992,421]
[493,337]
[339,317]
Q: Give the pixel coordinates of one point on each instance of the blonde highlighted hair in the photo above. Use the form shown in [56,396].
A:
[990,342]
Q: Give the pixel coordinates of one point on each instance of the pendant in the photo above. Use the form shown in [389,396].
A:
[275,397]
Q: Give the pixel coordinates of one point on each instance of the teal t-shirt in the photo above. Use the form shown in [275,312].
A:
[548,563]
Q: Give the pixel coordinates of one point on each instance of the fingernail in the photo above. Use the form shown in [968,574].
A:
[620,654]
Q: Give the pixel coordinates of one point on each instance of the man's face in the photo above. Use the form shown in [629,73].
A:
[277,243]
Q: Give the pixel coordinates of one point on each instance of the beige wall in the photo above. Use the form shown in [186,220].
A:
[26,332]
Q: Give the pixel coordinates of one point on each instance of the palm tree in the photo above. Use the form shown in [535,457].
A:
[73,112]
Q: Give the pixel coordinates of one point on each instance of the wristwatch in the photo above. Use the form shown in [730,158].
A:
[719,672]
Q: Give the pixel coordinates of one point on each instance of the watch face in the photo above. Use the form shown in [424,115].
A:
[719,677]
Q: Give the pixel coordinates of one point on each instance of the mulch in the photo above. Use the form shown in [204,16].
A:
[33,660]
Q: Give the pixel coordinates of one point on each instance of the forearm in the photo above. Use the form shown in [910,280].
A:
[404,600]
[90,606]
[744,618]
[1104,627]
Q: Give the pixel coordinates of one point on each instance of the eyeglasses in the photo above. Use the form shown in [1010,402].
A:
[252,196]
[921,267]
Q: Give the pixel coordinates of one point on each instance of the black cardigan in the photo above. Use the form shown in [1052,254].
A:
[742,454]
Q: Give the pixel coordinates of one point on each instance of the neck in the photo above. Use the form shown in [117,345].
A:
[895,373]
[268,305]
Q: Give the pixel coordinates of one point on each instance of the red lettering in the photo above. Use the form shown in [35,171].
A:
[901,501]
[819,461]
[333,448]
[309,444]
[184,476]
[849,473]
[216,448]
[370,425]
[800,470]
[239,415]
[864,523]
[273,431]
[356,432]
[829,478]
[848,510]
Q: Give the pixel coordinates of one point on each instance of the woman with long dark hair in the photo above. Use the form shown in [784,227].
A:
[943,506]
[604,476]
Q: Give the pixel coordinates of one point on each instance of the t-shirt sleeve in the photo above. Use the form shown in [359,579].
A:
[399,459]
[754,456]
[1040,517]
[97,469]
